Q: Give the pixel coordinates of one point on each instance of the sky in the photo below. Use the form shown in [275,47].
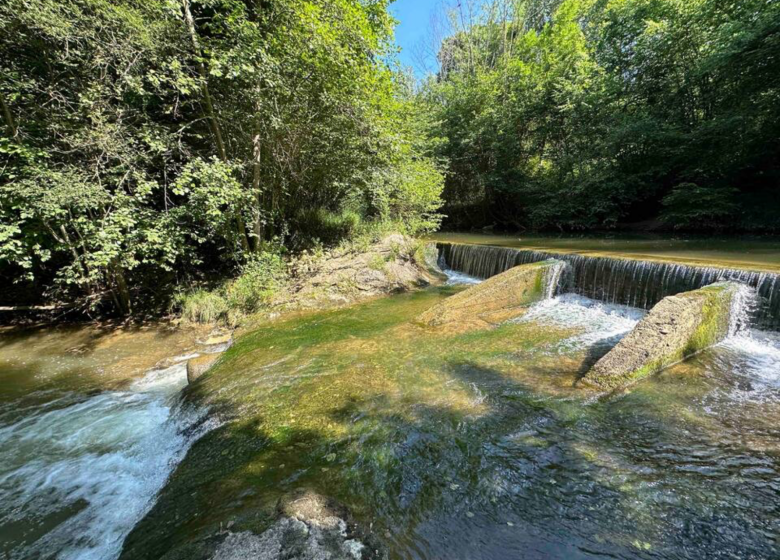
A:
[414,17]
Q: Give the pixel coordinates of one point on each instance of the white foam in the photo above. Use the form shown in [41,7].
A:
[756,357]
[455,278]
[100,460]
[596,321]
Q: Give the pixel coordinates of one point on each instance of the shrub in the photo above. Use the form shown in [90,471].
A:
[259,280]
[202,306]
[689,205]
[326,226]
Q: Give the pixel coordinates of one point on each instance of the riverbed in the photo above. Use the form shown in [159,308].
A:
[443,443]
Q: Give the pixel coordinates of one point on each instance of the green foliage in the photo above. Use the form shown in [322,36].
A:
[583,114]
[147,144]
[202,306]
[260,278]
[326,226]
[689,205]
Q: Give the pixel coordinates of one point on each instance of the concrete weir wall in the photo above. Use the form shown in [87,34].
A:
[518,286]
[676,328]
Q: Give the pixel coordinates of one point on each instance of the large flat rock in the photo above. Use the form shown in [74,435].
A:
[676,328]
[518,286]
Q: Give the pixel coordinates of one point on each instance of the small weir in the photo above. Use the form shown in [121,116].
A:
[621,281]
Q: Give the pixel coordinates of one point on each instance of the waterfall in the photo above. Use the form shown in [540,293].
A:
[617,280]
[553,278]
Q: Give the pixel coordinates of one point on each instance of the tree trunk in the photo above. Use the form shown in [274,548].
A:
[8,117]
[122,293]
[214,125]
[258,225]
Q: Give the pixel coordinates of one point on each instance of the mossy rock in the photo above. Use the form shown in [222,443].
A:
[676,328]
[517,287]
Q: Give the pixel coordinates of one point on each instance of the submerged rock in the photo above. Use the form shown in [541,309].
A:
[310,527]
[196,367]
[678,327]
[518,286]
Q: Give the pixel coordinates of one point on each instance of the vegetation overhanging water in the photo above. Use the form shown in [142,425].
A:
[204,157]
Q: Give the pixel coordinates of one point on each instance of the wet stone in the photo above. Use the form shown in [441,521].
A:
[677,328]
[310,527]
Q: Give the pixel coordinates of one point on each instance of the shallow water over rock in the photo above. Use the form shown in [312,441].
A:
[87,438]
[474,444]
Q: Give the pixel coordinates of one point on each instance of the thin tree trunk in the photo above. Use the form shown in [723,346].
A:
[8,117]
[65,240]
[215,129]
[257,153]
[122,293]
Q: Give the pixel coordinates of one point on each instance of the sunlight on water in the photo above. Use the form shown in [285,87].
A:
[598,322]
[78,472]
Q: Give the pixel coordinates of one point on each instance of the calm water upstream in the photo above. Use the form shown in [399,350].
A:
[447,444]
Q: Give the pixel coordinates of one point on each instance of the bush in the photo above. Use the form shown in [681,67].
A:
[202,306]
[259,280]
[689,205]
[326,226]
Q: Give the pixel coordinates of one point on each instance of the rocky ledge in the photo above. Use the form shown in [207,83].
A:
[394,264]
[309,527]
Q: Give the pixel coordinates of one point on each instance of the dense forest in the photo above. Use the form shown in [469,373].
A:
[583,114]
[150,146]
[149,142]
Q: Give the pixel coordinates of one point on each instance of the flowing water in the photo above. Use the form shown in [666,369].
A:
[624,281]
[455,443]
[747,253]
[85,442]
[464,444]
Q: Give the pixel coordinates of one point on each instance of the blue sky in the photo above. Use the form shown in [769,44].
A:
[414,17]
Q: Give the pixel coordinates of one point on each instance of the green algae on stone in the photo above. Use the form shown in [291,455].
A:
[518,286]
[676,328]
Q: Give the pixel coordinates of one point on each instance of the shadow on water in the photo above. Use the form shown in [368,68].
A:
[454,445]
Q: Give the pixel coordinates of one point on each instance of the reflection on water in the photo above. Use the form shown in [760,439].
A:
[474,445]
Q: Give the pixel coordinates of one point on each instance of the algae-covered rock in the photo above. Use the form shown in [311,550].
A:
[518,286]
[676,328]
[200,365]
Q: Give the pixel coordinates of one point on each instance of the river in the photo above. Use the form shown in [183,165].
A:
[89,432]
[454,444]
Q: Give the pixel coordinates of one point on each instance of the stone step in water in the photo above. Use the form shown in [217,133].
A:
[519,286]
[675,329]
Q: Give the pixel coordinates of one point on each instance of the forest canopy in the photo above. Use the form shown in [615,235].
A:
[585,114]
